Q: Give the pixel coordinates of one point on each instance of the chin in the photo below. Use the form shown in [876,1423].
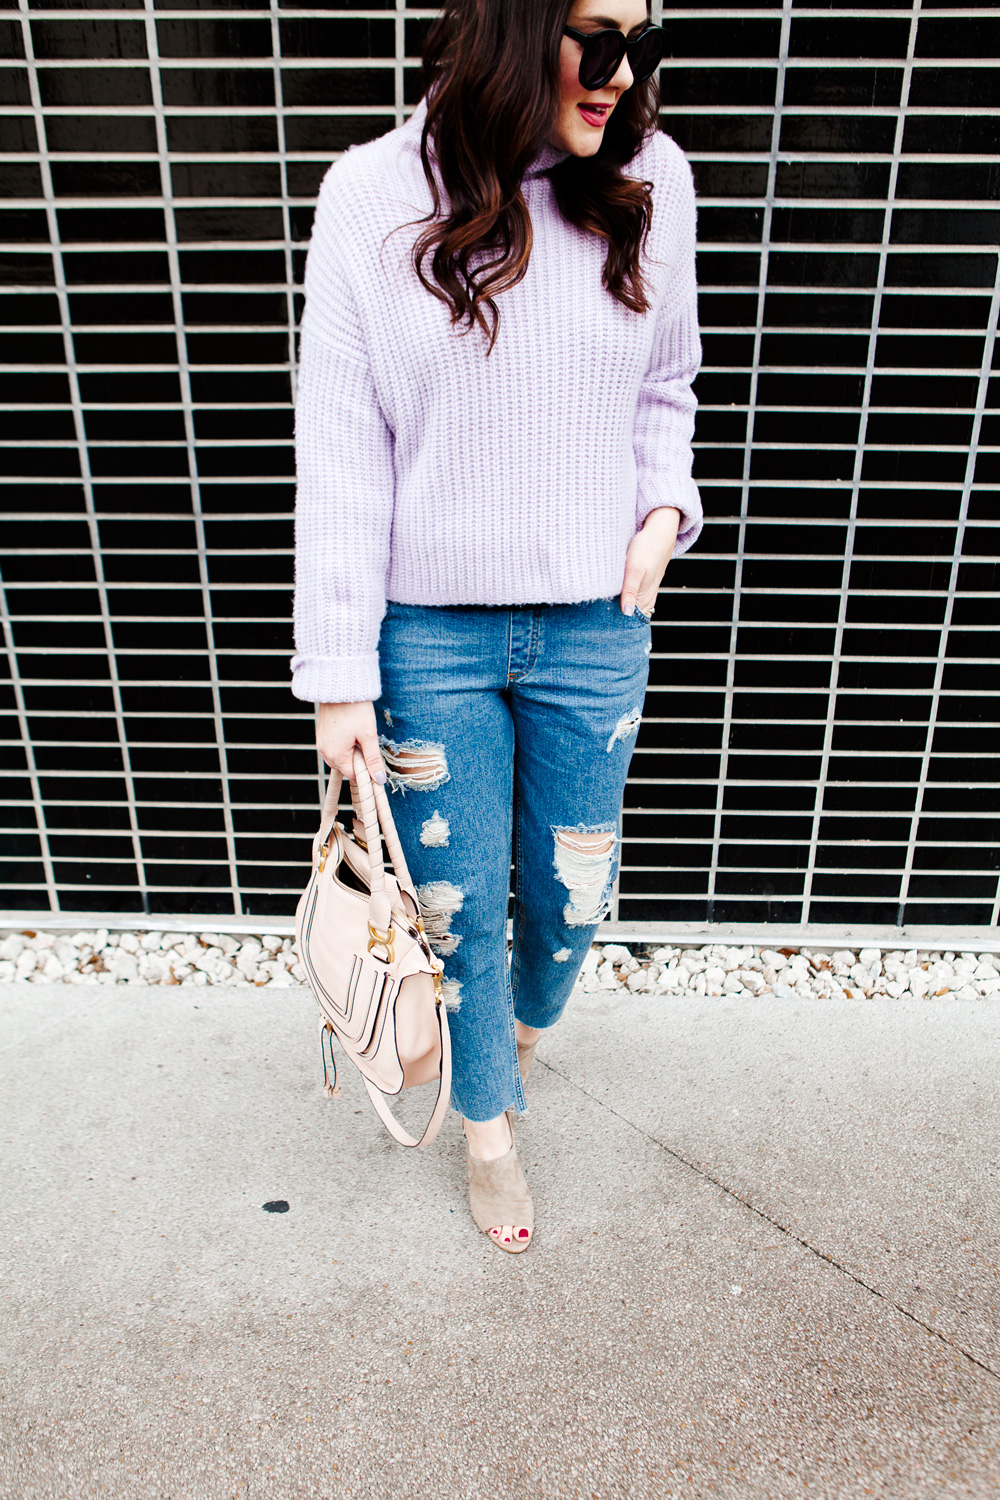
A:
[584,143]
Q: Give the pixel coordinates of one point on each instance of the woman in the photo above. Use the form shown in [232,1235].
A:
[494,464]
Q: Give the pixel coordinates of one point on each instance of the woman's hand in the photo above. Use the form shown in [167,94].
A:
[646,560]
[341,726]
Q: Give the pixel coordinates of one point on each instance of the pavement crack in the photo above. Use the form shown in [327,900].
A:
[784,1229]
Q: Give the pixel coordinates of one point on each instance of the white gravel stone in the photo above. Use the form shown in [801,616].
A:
[26,961]
[588,968]
[146,958]
[154,967]
[774,959]
[249,953]
[124,965]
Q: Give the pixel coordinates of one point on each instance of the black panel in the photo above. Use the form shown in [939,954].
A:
[848,693]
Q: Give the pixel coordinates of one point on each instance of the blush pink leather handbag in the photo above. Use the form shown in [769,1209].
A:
[367,958]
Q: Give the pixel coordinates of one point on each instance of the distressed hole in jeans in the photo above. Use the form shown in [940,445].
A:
[584,858]
[562,955]
[415,765]
[435,832]
[439,901]
[627,725]
[451,993]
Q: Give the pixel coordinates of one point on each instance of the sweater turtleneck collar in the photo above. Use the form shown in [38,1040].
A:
[548,157]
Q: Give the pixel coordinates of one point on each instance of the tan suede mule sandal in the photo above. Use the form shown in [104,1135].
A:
[526,1056]
[498,1195]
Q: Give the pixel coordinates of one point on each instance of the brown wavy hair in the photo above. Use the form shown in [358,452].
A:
[491,71]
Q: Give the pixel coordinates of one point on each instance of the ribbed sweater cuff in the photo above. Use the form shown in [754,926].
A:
[336,679]
[683,495]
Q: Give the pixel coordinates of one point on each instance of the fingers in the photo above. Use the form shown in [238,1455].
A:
[372,757]
[635,578]
[340,728]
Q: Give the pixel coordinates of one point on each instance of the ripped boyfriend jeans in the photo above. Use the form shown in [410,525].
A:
[503,725]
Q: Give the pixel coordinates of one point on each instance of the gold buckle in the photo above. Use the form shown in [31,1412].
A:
[324,854]
[384,940]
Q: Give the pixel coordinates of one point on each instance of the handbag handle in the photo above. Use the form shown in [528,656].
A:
[371,804]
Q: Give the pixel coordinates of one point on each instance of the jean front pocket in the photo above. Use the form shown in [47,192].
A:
[638,617]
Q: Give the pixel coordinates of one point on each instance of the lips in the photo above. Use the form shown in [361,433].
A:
[595,114]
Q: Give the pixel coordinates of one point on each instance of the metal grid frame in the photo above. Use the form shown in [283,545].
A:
[661,833]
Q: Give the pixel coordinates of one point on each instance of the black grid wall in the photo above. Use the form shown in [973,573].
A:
[820,741]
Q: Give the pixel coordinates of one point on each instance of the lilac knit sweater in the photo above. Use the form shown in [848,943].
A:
[429,473]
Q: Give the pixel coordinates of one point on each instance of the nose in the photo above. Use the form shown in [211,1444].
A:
[623,79]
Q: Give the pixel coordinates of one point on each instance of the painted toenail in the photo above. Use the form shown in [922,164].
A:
[523,1233]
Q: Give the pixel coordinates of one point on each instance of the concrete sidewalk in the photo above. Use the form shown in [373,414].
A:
[766,1261]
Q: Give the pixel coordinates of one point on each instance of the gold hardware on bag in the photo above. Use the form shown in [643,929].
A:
[324,854]
[384,940]
[437,988]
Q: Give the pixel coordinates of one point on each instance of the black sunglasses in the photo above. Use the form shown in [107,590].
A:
[603,52]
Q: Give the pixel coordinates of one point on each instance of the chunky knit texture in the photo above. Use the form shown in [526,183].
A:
[431,473]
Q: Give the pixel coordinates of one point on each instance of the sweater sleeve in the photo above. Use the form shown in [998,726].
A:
[664,423]
[344,491]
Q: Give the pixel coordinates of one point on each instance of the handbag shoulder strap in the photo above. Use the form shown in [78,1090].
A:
[441,1103]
